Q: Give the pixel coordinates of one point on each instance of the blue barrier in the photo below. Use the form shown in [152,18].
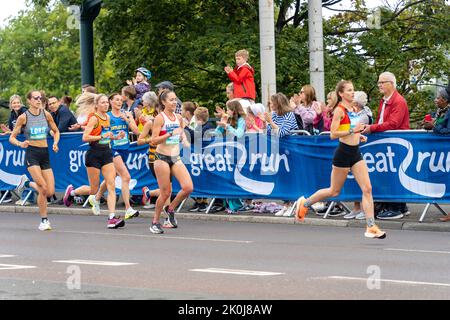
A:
[403,166]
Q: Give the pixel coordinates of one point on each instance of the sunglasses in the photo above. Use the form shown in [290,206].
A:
[38,98]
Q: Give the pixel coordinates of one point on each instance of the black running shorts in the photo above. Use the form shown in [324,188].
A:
[98,157]
[35,156]
[346,156]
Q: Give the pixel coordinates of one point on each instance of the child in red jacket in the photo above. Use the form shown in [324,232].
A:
[242,76]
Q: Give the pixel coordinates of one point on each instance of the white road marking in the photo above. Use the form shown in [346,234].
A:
[413,250]
[14,267]
[6,256]
[154,237]
[97,263]
[235,271]
[439,284]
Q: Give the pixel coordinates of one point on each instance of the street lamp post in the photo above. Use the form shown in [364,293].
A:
[90,9]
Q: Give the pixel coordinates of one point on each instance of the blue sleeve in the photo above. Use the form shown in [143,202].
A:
[240,130]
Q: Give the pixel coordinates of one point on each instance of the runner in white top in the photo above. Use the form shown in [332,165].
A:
[167,134]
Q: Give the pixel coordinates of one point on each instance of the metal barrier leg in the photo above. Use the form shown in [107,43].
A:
[424,212]
[440,209]
[4,196]
[331,206]
[86,202]
[26,198]
[181,205]
[346,208]
[210,205]
[291,209]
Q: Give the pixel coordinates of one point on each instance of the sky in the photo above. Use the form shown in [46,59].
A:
[10,8]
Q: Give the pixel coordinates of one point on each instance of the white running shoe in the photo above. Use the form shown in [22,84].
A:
[45,226]
[21,186]
[352,214]
[281,212]
[131,213]
[95,205]
[149,205]
[361,216]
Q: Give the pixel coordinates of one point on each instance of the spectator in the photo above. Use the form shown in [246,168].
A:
[202,126]
[88,88]
[443,127]
[67,101]
[242,77]
[324,116]
[254,121]
[230,91]
[167,85]
[393,115]
[365,117]
[188,109]
[129,100]
[64,118]
[305,106]
[442,103]
[233,120]
[281,121]
[17,108]
[149,110]
[140,82]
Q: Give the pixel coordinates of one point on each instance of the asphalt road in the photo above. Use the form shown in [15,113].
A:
[216,260]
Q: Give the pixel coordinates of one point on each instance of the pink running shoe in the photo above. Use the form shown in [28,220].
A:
[68,199]
[115,223]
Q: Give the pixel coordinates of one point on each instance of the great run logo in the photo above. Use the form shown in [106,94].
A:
[231,157]
[382,162]
[11,158]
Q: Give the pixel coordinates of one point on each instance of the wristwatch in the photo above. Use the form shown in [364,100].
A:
[350,131]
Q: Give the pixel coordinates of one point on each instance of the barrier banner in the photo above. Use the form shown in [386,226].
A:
[403,166]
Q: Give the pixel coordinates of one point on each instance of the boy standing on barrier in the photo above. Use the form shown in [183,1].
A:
[242,77]
[347,128]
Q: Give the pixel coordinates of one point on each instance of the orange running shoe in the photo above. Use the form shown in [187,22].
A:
[301,210]
[374,232]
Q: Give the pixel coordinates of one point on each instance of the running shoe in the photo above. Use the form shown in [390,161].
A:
[145,195]
[301,210]
[115,223]
[280,212]
[94,204]
[45,226]
[352,215]
[21,186]
[374,232]
[68,199]
[361,216]
[156,228]
[149,205]
[131,213]
[170,222]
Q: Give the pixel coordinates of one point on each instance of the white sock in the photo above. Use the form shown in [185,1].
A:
[112,215]
[72,193]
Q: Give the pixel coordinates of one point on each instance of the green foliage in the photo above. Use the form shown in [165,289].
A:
[190,42]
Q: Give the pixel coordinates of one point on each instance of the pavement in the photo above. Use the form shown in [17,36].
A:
[431,221]
[209,260]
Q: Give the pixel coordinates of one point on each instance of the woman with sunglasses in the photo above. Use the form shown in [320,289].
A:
[36,123]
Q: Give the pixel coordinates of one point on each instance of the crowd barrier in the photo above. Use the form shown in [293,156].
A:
[404,166]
